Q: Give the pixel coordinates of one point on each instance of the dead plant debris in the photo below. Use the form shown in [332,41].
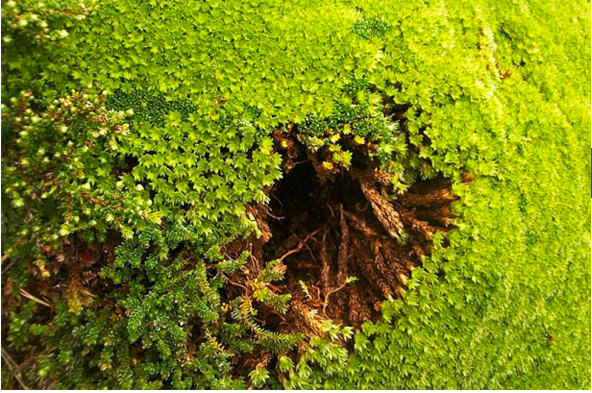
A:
[328,226]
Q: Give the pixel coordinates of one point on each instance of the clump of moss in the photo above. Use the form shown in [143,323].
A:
[145,145]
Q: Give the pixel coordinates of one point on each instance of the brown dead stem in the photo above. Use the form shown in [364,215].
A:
[384,211]
[325,267]
[300,245]
[342,270]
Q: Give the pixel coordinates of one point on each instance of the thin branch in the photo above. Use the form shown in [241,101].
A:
[326,302]
[300,245]
[13,367]
[35,299]
[237,284]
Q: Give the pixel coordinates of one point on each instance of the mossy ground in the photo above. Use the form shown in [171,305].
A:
[115,225]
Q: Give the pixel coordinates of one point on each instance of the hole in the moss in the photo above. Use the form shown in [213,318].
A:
[356,232]
[328,227]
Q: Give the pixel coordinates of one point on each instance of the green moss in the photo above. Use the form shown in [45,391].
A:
[165,167]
